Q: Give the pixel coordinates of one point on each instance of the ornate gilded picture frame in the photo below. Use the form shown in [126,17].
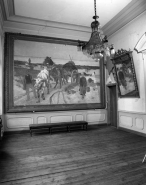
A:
[49,74]
[125,74]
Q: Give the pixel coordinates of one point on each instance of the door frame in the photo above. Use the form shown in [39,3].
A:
[109,106]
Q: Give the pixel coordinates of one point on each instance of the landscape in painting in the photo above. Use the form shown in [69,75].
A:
[51,74]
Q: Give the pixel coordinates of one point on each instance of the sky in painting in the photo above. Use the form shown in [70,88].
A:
[60,54]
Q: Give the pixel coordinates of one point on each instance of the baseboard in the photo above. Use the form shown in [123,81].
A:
[99,124]
[16,132]
[132,131]
[92,126]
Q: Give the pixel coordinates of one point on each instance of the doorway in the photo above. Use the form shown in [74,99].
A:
[112,104]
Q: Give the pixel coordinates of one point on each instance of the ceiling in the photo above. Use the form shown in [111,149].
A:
[66,18]
[75,12]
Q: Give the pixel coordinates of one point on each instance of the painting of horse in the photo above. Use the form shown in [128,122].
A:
[55,76]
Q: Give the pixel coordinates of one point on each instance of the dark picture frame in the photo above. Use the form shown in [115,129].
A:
[125,74]
[23,54]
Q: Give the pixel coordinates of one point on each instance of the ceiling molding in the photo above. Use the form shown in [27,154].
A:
[1,17]
[10,16]
[38,22]
[45,31]
[130,12]
[9,8]
[2,11]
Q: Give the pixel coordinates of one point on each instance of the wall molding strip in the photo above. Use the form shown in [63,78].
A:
[131,112]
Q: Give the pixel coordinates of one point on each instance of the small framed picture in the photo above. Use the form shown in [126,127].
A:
[125,74]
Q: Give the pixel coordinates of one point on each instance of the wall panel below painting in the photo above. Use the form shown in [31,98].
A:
[14,122]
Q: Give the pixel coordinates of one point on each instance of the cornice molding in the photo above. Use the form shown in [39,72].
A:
[38,22]
[2,10]
[6,9]
[1,17]
[45,31]
[10,16]
[11,7]
[130,12]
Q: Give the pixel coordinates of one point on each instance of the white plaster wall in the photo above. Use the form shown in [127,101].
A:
[127,38]
[132,111]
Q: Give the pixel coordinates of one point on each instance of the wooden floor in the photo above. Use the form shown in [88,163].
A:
[99,156]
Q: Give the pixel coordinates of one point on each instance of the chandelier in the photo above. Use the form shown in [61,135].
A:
[97,47]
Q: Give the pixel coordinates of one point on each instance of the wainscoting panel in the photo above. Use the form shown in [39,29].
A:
[41,119]
[21,121]
[139,123]
[60,118]
[79,117]
[132,121]
[126,121]
[91,117]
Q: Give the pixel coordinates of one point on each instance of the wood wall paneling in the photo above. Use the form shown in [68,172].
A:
[139,123]
[126,121]
[79,117]
[95,116]
[21,122]
[60,118]
[41,119]
[133,121]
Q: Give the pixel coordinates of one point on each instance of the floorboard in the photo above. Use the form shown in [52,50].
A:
[100,156]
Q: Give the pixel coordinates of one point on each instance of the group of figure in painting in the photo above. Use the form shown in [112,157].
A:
[27,85]
[42,81]
[37,85]
[125,77]
[83,85]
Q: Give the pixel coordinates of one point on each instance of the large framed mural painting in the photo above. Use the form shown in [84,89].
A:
[125,74]
[49,74]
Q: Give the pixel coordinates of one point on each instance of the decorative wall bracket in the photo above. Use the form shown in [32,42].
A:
[141,44]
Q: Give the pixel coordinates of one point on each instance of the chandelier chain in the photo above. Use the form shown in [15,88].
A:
[95,7]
